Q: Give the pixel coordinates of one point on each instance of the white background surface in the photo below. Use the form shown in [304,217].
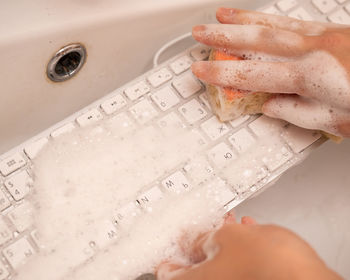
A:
[313,199]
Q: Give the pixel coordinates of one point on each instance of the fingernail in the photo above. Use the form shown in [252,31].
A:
[198,29]
[226,12]
[266,109]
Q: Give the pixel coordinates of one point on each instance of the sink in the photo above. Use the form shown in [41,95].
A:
[121,37]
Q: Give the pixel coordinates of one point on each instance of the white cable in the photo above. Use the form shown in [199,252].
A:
[167,45]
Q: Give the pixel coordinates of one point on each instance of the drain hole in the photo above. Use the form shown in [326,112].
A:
[68,64]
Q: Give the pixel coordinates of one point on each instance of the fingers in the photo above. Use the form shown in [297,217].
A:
[168,271]
[273,77]
[251,38]
[309,113]
[243,17]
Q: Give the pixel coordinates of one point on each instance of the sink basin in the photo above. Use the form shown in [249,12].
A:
[121,37]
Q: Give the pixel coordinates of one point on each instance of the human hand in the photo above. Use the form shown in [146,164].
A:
[251,252]
[307,62]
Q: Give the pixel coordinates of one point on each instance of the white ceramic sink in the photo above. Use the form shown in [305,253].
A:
[121,37]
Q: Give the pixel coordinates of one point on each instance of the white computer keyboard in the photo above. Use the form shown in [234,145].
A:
[164,95]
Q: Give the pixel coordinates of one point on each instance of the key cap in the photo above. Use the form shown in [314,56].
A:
[176,182]
[121,123]
[247,176]
[4,202]
[181,64]
[19,252]
[198,138]
[221,155]
[199,170]
[187,85]
[340,17]
[113,104]
[276,159]
[152,195]
[4,273]
[22,216]
[19,185]
[11,164]
[106,234]
[220,192]
[192,111]
[286,5]
[34,148]
[242,140]
[62,130]
[135,91]
[325,6]
[36,237]
[160,77]
[170,120]
[165,98]
[203,97]
[126,214]
[143,111]
[341,1]
[272,10]
[265,126]
[5,232]
[214,128]
[298,138]
[200,53]
[239,121]
[89,117]
[300,13]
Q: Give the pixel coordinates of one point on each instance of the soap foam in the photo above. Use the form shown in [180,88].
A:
[81,178]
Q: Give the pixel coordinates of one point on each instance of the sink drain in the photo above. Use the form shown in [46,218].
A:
[66,63]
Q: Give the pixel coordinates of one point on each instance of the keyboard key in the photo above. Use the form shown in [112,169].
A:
[34,148]
[340,17]
[105,234]
[276,159]
[165,98]
[301,14]
[160,77]
[214,128]
[11,164]
[248,177]
[126,214]
[198,138]
[187,85]
[143,111]
[152,195]
[265,126]
[341,1]
[221,155]
[135,91]
[201,52]
[286,5]
[89,117]
[4,273]
[242,140]
[203,97]
[272,10]
[181,64]
[325,6]
[22,216]
[36,237]
[62,130]
[220,192]
[170,120]
[192,111]
[4,202]
[199,170]
[113,104]
[5,233]
[18,185]
[176,182]
[298,138]
[19,252]
[121,123]
[239,121]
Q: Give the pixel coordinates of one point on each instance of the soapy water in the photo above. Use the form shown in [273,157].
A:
[83,178]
